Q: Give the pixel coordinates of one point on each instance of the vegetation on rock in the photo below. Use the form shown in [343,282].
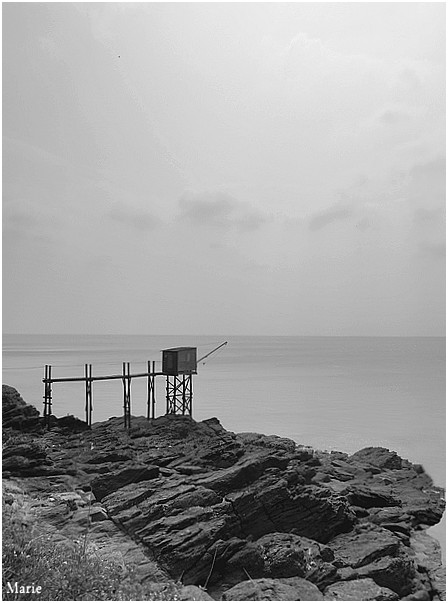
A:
[68,570]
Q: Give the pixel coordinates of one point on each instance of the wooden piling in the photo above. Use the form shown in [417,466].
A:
[127,394]
[89,404]
[151,400]
[47,395]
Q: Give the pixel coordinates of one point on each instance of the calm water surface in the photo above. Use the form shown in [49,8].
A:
[333,393]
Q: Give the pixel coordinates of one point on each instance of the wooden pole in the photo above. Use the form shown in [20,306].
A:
[127,394]
[45,393]
[167,394]
[148,400]
[151,401]
[91,395]
[184,393]
[88,379]
[124,393]
[49,396]
[153,398]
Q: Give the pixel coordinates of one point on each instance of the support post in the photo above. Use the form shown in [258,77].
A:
[184,394]
[127,394]
[153,399]
[47,395]
[168,395]
[89,405]
[151,402]
[179,394]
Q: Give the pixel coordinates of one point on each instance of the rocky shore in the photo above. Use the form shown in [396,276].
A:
[229,516]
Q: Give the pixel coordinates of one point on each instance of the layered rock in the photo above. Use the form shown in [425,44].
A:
[16,413]
[244,516]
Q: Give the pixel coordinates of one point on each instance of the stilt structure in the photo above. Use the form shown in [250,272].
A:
[179,395]
[179,365]
[47,395]
[151,403]
[127,394]
[89,404]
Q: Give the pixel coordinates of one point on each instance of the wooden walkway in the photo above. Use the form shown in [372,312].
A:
[126,377]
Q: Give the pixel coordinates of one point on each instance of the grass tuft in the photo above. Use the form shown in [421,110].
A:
[66,571]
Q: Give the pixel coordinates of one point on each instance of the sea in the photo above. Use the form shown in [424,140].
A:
[330,393]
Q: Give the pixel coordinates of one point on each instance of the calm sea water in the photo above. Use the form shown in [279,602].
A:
[332,393]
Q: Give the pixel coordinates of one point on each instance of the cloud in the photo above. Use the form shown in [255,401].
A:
[433,251]
[365,224]
[424,216]
[252,220]
[19,219]
[392,117]
[105,18]
[138,219]
[207,208]
[436,168]
[49,46]
[219,209]
[426,184]
[335,213]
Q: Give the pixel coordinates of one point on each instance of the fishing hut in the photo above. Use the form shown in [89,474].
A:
[178,366]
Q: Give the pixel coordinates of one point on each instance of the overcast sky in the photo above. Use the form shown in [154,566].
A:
[234,168]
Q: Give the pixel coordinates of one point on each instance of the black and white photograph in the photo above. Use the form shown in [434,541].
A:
[224,301]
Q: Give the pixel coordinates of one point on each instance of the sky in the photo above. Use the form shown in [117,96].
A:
[224,168]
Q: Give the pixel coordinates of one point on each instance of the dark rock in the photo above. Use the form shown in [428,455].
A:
[418,468]
[271,506]
[242,473]
[31,450]
[288,555]
[190,469]
[16,413]
[398,528]
[268,589]
[428,558]
[107,457]
[395,573]
[246,562]
[381,458]
[98,514]
[420,595]
[283,554]
[360,511]
[27,458]
[193,593]
[336,468]
[227,563]
[271,442]
[180,542]
[221,454]
[359,590]
[364,546]
[388,515]
[366,498]
[71,424]
[110,482]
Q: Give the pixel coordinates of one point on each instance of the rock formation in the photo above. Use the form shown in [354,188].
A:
[242,516]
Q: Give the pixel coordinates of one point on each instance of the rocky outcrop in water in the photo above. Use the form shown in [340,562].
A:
[243,516]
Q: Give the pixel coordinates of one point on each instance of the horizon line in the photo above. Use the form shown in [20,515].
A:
[208,335]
